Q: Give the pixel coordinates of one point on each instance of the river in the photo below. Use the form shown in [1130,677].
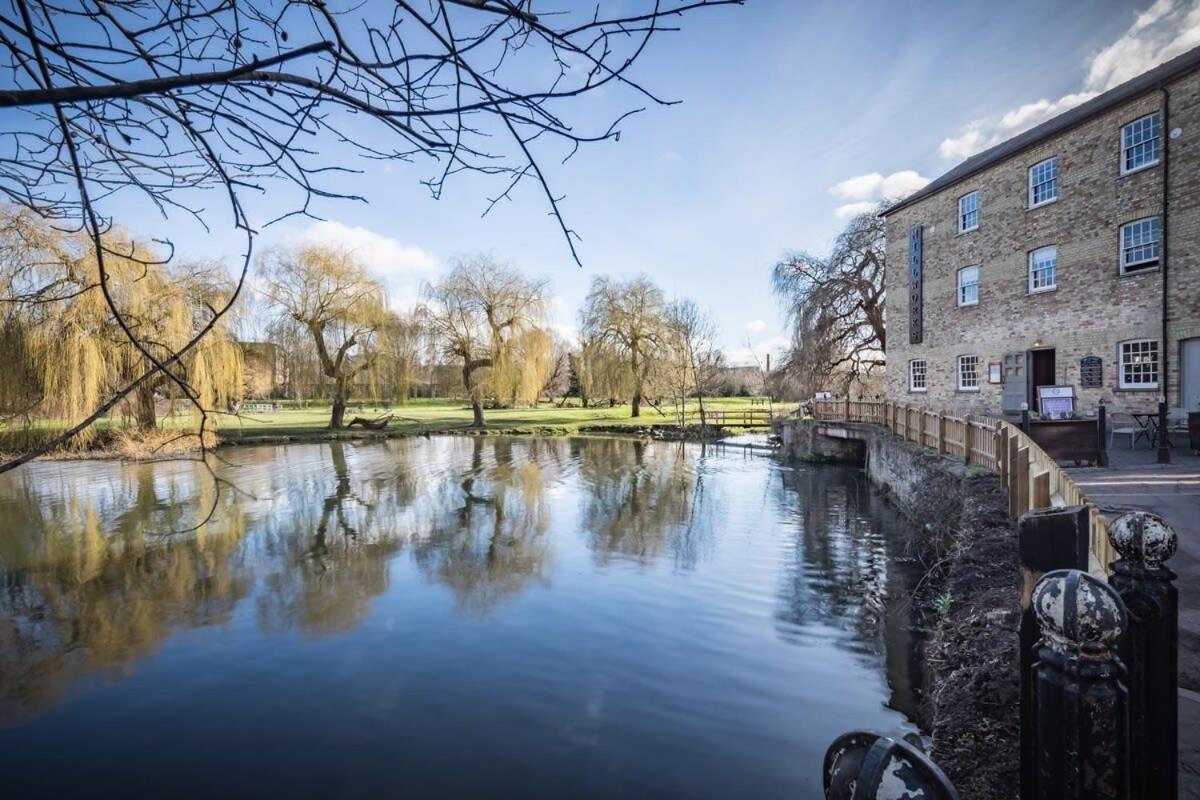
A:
[457,616]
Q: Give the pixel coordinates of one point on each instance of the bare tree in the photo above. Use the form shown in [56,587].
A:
[694,360]
[628,316]
[476,313]
[164,100]
[836,307]
[329,293]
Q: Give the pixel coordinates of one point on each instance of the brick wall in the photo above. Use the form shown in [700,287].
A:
[1094,307]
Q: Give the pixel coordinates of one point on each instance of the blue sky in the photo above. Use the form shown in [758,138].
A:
[791,111]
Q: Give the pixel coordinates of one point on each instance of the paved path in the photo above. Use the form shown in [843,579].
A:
[1172,491]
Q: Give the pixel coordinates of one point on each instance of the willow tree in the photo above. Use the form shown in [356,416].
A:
[65,348]
[628,316]
[836,308]
[478,313]
[330,294]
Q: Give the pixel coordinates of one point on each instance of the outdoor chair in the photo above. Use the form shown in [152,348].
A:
[1122,425]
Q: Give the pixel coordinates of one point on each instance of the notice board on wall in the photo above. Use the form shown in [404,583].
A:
[1091,372]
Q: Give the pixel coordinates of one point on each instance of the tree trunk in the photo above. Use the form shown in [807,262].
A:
[476,402]
[338,412]
[636,403]
[147,418]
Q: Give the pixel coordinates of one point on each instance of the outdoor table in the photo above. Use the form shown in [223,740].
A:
[1148,427]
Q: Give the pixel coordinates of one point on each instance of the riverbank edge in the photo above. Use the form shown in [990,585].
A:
[658,432]
[970,706]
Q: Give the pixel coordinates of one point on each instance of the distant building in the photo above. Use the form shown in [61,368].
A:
[1067,256]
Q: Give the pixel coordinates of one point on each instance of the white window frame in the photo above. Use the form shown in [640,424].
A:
[960,362]
[1137,267]
[1057,175]
[1121,363]
[1052,286]
[960,285]
[962,227]
[912,384]
[1157,148]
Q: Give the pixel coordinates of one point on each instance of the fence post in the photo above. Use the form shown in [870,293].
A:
[847,418]
[941,421]
[999,449]
[1013,446]
[966,438]
[1081,733]
[1046,540]
[1150,649]
[1022,480]
[1041,490]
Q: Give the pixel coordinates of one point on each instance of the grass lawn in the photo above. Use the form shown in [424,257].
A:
[442,414]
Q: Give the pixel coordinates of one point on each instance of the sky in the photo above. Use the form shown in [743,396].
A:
[793,116]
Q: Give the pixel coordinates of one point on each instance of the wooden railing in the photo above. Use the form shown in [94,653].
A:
[1033,479]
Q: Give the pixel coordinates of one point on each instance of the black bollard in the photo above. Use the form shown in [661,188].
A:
[1149,650]
[1081,731]
[862,765]
[1025,418]
[1047,539]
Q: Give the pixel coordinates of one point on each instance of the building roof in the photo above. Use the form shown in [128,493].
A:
[1081,113]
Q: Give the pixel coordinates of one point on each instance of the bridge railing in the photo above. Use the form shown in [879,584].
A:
[1034,480]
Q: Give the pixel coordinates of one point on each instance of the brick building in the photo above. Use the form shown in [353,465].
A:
[1057,258]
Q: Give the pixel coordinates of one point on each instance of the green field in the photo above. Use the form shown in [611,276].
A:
[446,414]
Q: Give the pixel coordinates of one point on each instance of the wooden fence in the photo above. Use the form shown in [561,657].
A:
[1034,480]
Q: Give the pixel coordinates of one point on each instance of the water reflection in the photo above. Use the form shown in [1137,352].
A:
[855,565]
[643,592]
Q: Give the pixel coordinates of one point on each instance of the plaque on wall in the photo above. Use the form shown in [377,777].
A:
[916,315]
[1091,372]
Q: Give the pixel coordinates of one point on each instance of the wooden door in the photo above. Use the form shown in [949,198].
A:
[1016,381]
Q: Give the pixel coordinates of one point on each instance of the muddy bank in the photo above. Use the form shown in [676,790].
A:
[972,707]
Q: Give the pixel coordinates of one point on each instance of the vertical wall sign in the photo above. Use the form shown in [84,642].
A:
[916,313]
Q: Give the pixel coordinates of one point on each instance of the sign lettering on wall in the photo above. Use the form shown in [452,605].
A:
[1091,372]
[916,311]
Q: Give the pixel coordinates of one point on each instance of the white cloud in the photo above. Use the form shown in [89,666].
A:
[867,191]
[383,255]
[755,325]
[854,209]
[1164,30]
[874,186]
[401,267]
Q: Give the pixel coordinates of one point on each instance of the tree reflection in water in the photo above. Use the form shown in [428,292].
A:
[854,566]
[644,498]
[92,579]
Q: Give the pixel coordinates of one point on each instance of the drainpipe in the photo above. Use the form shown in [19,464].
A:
[1164,451]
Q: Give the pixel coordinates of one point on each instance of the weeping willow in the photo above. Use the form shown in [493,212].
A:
[64,351]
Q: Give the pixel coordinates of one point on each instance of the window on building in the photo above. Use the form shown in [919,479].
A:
[968,373]
[1043,182]
[968,286]
[917,375]
[1140,242]
[968,212]
[1043,269]
[1140,143]
[1139,364]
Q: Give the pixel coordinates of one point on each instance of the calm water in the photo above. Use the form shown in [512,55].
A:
[450,617]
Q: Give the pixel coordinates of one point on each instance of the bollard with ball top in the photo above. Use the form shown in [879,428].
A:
[862,765]
[1149,649]
[1081,724]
